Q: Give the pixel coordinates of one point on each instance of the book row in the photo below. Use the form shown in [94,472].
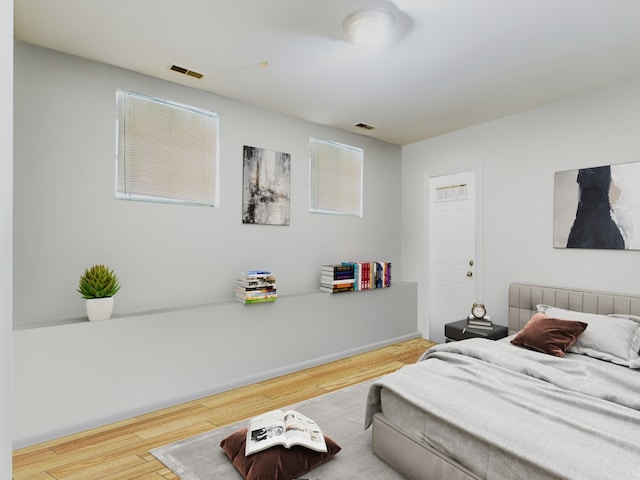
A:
[355,276]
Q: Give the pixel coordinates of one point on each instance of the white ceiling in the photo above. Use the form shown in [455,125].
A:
[454,63]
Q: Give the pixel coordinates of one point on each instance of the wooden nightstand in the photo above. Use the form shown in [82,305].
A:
[459,331]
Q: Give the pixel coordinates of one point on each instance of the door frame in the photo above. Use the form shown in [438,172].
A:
[424,306]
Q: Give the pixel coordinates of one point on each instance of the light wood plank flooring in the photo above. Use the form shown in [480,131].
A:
[120,451]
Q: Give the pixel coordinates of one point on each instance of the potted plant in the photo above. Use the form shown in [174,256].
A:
[98,285]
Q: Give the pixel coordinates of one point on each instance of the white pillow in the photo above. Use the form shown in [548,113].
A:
[635,318]
[609,338]
[635,343]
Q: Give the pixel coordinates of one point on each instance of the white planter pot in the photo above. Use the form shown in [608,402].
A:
[99,308]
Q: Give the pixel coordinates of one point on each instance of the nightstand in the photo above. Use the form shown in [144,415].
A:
[459,331]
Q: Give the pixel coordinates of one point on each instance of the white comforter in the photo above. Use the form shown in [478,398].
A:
[511,413]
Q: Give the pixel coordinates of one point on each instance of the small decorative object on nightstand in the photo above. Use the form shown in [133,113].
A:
[461,330]
[478,310]
[478,318]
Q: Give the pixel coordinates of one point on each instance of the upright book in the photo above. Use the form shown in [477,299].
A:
[371,275]
[286,428]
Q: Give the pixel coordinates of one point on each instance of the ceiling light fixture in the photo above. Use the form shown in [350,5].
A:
[370,25]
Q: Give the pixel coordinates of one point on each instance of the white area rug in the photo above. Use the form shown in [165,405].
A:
[340,415]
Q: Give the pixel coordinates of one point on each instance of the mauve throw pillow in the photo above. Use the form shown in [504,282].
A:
[549,335]
[275,463]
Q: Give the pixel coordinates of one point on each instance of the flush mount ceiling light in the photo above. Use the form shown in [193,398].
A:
[370,25]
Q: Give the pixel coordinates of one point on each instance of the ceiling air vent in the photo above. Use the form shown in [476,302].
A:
[365,126]
[186,71]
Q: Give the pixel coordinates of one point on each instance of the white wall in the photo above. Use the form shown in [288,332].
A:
[6,214]
[516,158]
[66,217]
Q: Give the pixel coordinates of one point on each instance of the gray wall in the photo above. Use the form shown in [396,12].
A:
[6,227]
[516,158]
[166,256]
[176,333]
[92,373]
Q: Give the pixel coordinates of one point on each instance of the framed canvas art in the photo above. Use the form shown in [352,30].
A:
[598,207]
[266,184]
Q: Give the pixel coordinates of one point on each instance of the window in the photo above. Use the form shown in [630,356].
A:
[336,178]
[167,152]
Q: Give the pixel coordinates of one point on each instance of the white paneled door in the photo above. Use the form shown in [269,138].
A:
[452,262]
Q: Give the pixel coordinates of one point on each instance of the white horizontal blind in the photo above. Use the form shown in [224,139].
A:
[336,178]
[451,193]
[166,152]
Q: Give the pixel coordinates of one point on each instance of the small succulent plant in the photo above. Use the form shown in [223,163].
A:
[98,282]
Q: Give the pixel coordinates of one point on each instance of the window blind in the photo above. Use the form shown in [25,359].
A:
[167,152]
[336,178]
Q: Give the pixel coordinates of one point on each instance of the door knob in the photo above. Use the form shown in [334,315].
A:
[469,274]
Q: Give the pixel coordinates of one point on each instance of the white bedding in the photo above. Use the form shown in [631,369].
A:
[509,413]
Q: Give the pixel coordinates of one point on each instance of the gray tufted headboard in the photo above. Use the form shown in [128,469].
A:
[524,297]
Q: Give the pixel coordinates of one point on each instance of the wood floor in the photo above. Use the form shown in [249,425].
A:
[120,451]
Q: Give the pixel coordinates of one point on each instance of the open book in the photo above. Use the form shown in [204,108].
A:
[286,428]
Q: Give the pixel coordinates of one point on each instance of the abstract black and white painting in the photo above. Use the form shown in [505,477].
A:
[598,207]
[266,184]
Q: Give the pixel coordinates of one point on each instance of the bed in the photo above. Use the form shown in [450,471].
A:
[485,410]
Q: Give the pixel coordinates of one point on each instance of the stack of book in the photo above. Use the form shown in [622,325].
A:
[256,286]
[337,278]
[483,323]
